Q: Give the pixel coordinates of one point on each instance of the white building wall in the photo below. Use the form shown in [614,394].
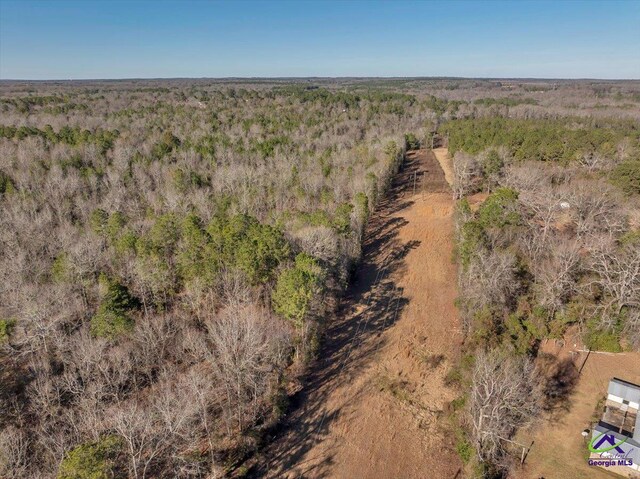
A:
[619,400]
[611,397]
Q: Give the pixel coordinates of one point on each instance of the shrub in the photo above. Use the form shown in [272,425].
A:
[6,327]
[96,460]
[525,330]
[362,206]
[464,448]
[391,150]
[372,188]
[166,145]
[180,180]
[98,221]
[558,325]
[499,209]
[492,164]
[630,238]
[192,247]
[458,403]
[600,339]
[342,218]
[6,184]
[112,318]
[626,176]
[411,141]
[314,218]
[472,238]
[485,326]
[60,268]
[296,287]
[243,243]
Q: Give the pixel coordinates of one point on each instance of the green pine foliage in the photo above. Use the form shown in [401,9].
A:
[6,328]
[6,184]
[472,238]
[168,143]
[411,141]
[113,317]
[94,460]
[342,218]
[499,209]
[505,101]
[362,206]
[242,242]
[193,260]
[626,176]
[493,163]
[563,140]
[73,136]
[601,339]
[60,269]
[296,288]
[98,221]
[114,225]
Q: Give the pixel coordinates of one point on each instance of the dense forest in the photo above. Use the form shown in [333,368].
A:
[170,250]
[548,243]
[168,258]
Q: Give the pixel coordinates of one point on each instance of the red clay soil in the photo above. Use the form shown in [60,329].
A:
[373,404]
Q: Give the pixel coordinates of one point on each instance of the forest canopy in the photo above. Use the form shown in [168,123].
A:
[171,251]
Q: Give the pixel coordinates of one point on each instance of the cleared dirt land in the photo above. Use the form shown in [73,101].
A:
[373,404]
[446,163]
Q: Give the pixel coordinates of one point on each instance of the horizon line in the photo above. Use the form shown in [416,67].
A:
[341,77]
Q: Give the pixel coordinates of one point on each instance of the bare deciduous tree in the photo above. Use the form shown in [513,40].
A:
[467,175]
[595,211]
[617,273]
[489,281]
[505,396]
[556,273]
[247,347]
[14,458]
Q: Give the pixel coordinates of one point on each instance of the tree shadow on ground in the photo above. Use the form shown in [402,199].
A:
[372,304]
[560,377]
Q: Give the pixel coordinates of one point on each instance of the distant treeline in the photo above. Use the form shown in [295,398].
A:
[559,140]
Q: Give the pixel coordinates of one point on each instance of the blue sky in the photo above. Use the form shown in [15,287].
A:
[154,38]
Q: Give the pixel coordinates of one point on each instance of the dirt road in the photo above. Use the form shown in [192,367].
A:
[446,163]
[373,406]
